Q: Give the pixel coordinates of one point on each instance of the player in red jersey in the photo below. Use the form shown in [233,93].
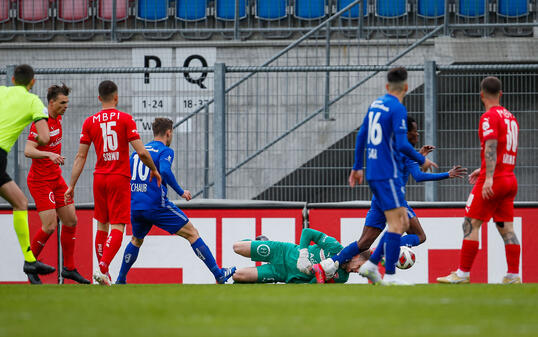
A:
[111,132]
[495,185]
[47,185]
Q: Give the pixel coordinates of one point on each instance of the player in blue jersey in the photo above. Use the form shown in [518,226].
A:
[150,205]
[384,136]
[375,219]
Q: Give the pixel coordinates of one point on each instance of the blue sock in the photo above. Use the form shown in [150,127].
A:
[129,257]
[202,251]
[392,251]
[379,251]
[347,253]
[409,240]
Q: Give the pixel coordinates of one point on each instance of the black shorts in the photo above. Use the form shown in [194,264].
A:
[4,177]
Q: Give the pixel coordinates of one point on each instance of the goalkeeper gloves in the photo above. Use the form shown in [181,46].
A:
[303,263]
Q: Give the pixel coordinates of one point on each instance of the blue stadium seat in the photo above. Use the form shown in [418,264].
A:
[309,9]
[354,12]
[191,10]
[391,8]
[271,9]
[431,9]
[513,8]
[152,10]
[226,9]
[471,8]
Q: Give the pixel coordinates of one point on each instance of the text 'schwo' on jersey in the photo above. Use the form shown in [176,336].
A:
[146,194]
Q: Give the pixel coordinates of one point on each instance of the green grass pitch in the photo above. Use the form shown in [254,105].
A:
[268,310]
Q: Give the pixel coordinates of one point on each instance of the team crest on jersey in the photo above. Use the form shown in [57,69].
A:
[485,124]
[263,250]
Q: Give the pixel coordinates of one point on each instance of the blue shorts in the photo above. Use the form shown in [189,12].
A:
[169,218]
[389,193]
[376,217]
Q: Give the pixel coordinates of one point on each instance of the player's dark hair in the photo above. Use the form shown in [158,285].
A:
[107,89]
[410,121]
[23,74]
[55,90]
[491,85]
[397,75]
[161,125]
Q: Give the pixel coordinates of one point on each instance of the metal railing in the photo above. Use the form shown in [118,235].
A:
[269,140]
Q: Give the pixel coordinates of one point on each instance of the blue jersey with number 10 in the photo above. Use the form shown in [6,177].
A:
[145,194]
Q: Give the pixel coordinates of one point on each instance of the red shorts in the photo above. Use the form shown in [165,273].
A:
[500,207]
[112,198]
[48,194]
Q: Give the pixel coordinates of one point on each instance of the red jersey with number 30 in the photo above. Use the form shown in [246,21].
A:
[498,123]
[110,130]
[44,168]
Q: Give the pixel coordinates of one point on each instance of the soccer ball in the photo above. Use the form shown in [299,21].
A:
[406,259]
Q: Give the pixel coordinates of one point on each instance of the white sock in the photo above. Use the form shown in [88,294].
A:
[512,275]
[370,265]
[389,277]
[461,273]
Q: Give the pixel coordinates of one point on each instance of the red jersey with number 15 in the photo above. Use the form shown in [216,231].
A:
[44,168]
[110,130]
[498,123]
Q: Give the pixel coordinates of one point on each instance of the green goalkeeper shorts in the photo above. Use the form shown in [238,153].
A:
[274,253]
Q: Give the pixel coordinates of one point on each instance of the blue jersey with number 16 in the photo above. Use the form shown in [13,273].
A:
[145,194]
[385,118]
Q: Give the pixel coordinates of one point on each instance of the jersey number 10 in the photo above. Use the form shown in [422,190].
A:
[140,168]
[110,137]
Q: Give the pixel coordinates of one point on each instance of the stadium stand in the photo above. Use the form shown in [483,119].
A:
[271,9]
[73,10]
[226,9]
[354,11]
[514,10]
[431,9]
[193,10]
[33,11]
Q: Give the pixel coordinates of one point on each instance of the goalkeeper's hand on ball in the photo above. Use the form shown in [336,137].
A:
[303,263]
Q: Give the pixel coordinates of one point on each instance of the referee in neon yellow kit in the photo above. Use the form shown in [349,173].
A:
[18,108]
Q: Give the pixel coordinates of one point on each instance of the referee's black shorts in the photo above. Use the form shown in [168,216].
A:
[4,177]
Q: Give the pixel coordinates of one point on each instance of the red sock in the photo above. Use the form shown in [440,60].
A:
[113,244]
[39,241]
[100,239]
[512,258]
[68,246]
[468,252]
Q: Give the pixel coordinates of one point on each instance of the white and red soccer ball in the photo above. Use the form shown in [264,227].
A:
[407,258]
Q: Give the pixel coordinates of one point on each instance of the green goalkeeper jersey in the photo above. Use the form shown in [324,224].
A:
[325,246]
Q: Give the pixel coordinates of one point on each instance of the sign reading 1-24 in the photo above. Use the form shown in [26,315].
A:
[152,104]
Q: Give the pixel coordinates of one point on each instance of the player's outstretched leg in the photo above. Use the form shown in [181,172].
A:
[201,250]
[129,257]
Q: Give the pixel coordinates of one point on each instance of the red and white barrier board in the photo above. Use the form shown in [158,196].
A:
[439,255]
[164,258]
[168,258]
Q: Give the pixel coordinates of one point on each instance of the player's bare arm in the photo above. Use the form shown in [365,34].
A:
[457,172]
[145,157]
[473,177]
[490,155]
[356,177]
[187,195]
[426,149]
[43,136]
[78,167]
[31,151]
[428,165]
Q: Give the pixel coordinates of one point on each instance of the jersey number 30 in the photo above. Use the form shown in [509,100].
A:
[110,137]
[140,168]
[511,135]
[375,133]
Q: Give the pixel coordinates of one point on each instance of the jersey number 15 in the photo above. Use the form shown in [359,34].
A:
[110,137]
